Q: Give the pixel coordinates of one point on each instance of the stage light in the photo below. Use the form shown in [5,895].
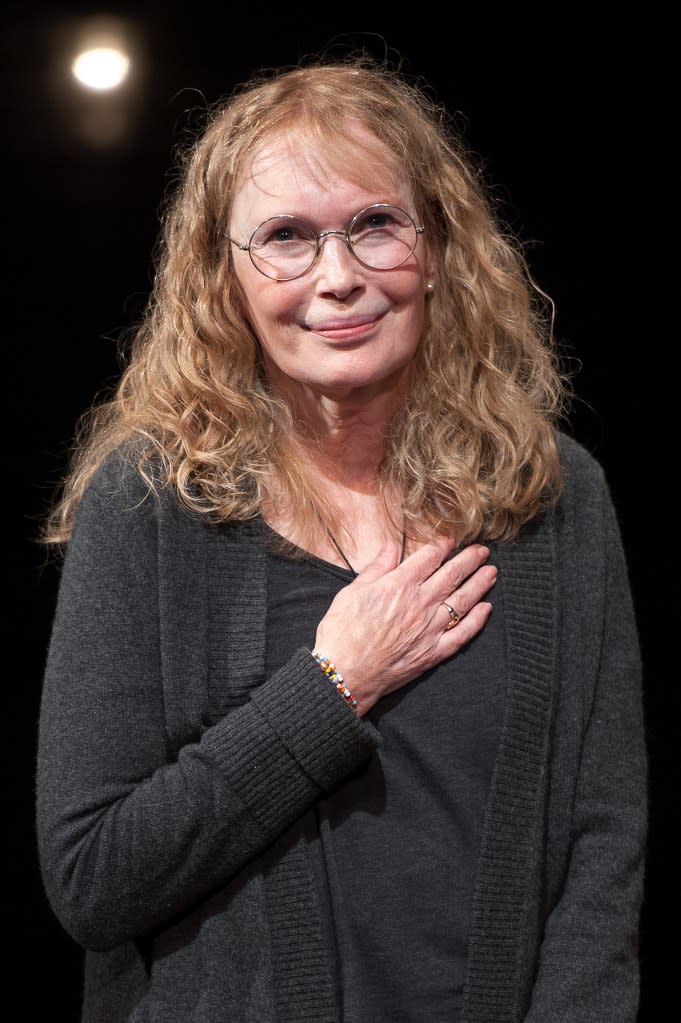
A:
[97,74]
[101,68]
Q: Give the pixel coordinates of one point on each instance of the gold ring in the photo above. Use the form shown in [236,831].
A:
[454,616]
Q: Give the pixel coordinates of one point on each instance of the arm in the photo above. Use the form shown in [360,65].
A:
[588,968]
[129,838]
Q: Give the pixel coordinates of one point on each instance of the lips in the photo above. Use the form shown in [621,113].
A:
[344,327]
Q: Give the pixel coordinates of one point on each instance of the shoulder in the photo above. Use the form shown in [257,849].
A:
[579,466]
[585,518]
[129,491]
[124,501]
[130,481]
[120,476]
[584,482]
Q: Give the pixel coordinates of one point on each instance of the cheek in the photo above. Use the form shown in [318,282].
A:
[266,305]
[273,327]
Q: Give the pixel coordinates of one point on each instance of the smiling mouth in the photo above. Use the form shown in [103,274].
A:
[346,330]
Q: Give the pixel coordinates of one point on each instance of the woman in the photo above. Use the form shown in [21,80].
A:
[292,765]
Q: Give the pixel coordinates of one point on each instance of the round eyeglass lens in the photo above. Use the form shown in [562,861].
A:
[383,237]
[283,247]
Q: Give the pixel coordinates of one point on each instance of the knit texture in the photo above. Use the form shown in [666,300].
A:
[171,774]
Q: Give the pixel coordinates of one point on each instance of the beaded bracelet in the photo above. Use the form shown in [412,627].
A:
[335,678]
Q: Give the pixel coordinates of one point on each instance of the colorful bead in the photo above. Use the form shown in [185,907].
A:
[335,678]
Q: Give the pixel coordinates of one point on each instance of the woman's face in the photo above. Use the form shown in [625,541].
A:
[341,330]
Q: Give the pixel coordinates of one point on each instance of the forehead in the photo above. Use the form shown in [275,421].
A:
[300,165]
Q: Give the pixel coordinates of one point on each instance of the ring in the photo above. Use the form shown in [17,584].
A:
[454,616]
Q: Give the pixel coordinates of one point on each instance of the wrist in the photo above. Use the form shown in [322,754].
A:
[332,675]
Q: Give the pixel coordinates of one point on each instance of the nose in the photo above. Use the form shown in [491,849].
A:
[336,266]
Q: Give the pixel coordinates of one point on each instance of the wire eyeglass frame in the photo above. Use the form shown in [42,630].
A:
[320,236]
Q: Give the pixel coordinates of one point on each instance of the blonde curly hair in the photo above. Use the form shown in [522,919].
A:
[473,451]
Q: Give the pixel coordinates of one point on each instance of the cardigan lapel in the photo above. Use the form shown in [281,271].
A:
[507,870]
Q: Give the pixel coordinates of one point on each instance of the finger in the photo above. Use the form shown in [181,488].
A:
[453,572]
[459,603]
[422,563]
[452,640]
[454,614]
[387,558]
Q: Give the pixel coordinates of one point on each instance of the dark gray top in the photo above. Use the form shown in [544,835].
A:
[170,770]
[395,845]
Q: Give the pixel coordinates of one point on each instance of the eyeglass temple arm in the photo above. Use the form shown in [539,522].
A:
[244,246]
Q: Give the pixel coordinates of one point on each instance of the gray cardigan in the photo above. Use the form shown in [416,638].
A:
[169,771]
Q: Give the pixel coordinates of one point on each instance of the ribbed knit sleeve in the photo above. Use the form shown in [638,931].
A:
[135,827]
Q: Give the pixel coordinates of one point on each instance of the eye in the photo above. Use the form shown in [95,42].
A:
[380,220]
[373,221]
[281,232]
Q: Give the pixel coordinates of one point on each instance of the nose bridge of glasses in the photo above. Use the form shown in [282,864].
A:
[323,235]
[343,236]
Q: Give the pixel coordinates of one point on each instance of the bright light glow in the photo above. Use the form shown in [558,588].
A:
[101,68]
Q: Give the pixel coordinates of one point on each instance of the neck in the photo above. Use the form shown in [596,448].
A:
[343,430]
[354,515]
[341,441]
[346,442]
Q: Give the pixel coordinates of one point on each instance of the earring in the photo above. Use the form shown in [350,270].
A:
[430,286]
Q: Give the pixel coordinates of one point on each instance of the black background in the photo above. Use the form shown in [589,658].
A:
[571,112]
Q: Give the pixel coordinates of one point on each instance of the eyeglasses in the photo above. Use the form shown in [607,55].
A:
[380,237]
